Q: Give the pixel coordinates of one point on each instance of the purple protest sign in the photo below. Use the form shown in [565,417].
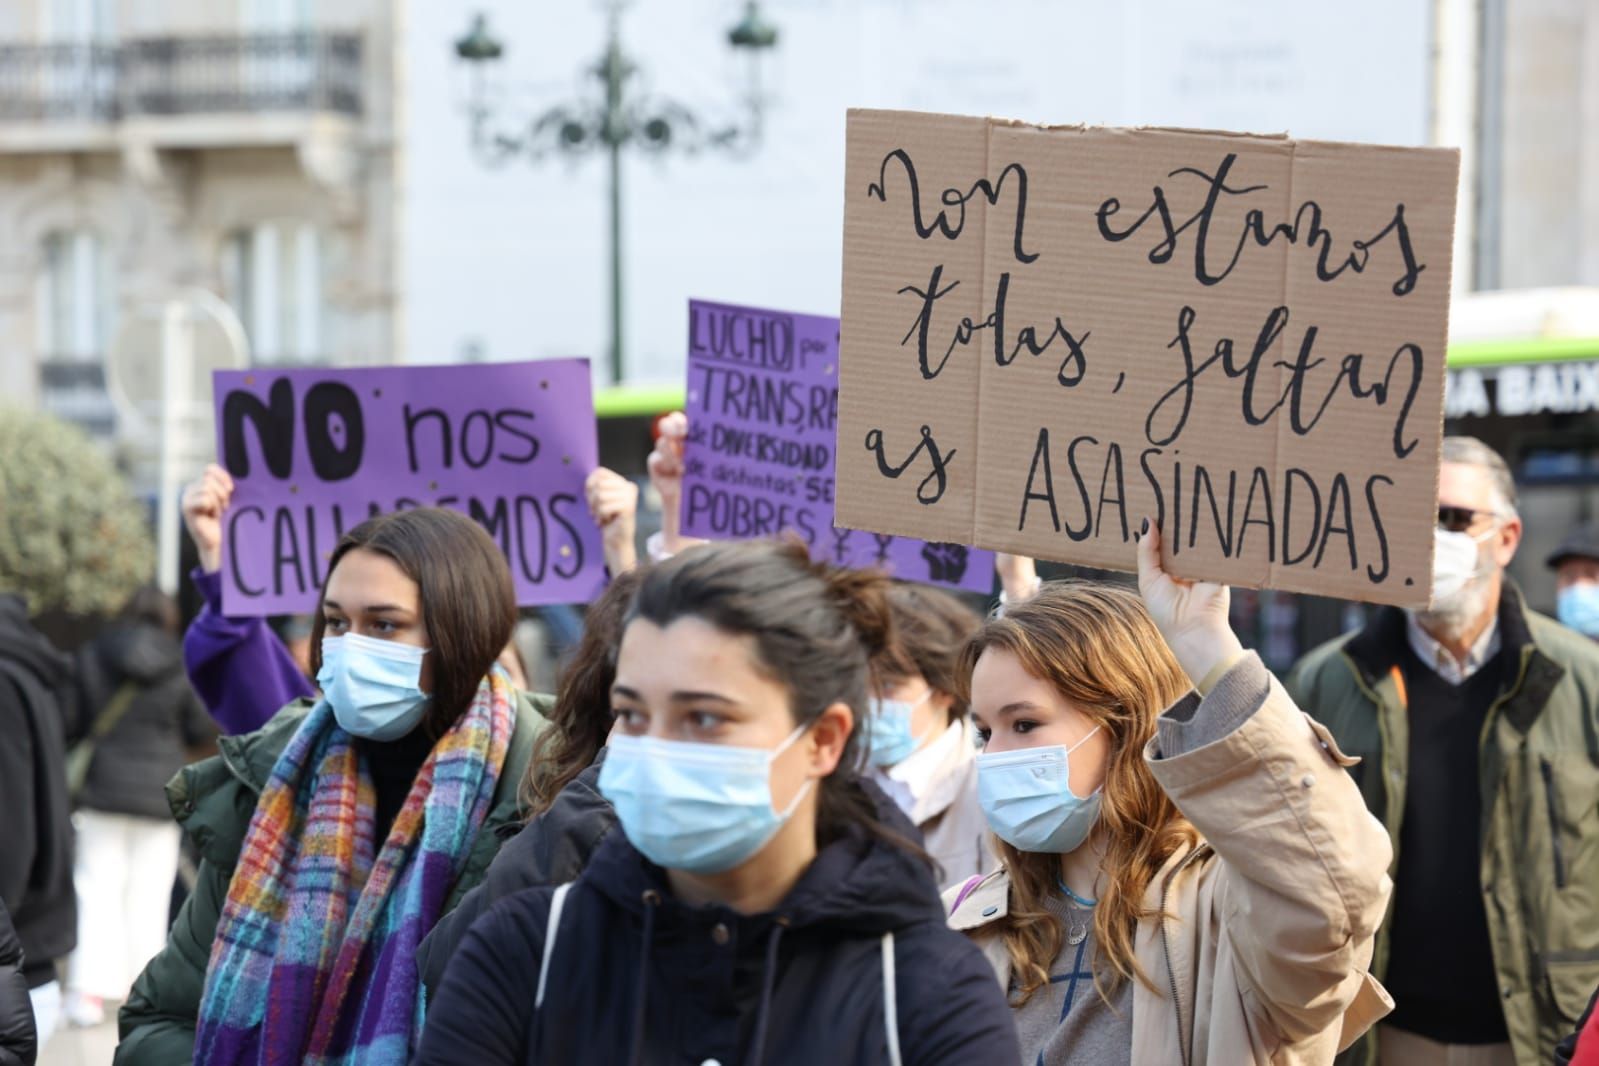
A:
[315,452]
[762,407]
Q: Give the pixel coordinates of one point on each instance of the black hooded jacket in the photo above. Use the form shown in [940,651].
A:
[148,744]
[35,819]
[551,849]
[638,977]
[19,1043]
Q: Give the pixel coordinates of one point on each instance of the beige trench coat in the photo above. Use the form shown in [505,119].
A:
[1261,955]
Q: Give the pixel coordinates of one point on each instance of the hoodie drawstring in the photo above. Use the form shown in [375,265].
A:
[768,981]
[641,986]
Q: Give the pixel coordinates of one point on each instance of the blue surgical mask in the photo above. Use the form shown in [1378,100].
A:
[889,739]
[700,808]
[1027,797]
[1578,607]
[373,685]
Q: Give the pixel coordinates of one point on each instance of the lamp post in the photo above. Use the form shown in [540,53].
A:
[620,118]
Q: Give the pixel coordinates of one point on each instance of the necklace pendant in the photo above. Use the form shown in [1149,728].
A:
[1076,935]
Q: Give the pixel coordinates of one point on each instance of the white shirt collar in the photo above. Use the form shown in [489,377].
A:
[913,782]
[1442,661]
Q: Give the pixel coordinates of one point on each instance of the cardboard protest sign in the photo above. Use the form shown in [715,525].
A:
[762,407]
[315,452]
[1049,333]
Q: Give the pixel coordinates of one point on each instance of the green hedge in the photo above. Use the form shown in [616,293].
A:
[72,536]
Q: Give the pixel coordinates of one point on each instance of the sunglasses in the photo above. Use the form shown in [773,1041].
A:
[1460,519]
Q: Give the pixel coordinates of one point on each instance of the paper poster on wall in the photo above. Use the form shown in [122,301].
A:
[315,452]
[1049,333]
[761,402]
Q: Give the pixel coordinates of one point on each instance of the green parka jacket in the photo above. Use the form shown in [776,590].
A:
[213,800]
[1538,767]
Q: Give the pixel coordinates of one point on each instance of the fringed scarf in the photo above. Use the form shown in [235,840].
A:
[314,957]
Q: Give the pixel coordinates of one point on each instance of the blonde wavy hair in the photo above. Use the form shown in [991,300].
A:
[1098,647]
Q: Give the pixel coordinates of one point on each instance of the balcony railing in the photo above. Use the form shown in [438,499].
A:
[58,81]
[301,71]
[264,72]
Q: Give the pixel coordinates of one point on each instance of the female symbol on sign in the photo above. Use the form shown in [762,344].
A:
[938,475]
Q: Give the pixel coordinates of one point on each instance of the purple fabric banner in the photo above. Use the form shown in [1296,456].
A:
[315,452]
[762,407]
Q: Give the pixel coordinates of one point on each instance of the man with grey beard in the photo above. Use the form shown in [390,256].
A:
[1477,723]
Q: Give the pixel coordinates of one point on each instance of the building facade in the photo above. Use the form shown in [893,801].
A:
[1540,129]
[1524,326]
[245,147]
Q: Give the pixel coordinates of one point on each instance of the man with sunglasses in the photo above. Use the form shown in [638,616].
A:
[1477,722]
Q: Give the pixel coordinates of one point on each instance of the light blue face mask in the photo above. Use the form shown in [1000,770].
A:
[889,740]
[1026,796]
[373,685]
[700,808]
[1577,606]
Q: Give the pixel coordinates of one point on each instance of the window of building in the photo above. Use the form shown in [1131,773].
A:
[77,76]
[74,322]
[78,20]
[77,297]
[276,15]
[279,63]
[272,274]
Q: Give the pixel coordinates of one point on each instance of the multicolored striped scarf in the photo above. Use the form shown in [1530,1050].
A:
[314,959]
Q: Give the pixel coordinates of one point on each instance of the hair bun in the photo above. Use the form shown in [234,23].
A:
[861,596]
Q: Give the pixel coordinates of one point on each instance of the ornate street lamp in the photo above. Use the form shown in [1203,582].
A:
[617,119]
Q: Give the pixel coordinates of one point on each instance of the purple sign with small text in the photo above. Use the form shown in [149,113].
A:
[315,452]
[762,409]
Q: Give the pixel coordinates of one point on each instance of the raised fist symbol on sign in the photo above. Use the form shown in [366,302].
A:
[946,562]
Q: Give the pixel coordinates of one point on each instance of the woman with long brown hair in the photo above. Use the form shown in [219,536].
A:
[334,838]
[1186,877]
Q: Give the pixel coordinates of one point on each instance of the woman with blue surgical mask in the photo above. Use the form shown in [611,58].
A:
[918,735]
[1187,876]
[334,837]
[763,904]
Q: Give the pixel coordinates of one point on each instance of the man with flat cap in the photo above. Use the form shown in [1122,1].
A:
[1576,567]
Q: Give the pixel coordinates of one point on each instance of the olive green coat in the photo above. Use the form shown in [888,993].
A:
[213,800]
[1538,765]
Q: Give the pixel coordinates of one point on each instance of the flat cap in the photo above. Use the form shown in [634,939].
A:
[1581,543]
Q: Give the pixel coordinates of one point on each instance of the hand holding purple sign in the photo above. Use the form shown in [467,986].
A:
[315,452]
[762,410]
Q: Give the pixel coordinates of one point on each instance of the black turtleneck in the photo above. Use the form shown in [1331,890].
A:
[394,767]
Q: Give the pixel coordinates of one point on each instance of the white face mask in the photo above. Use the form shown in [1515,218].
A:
[1456,563]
